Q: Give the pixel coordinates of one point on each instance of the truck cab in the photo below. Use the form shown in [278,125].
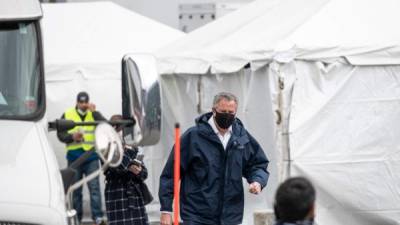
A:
[31,188]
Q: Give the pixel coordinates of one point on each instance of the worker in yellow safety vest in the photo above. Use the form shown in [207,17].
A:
[79,140]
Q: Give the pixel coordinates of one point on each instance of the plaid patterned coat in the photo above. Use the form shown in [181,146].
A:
[124,202]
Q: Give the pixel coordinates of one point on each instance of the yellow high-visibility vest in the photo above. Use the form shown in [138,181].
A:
[88,131]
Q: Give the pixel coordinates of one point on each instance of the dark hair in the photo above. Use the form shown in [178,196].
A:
[114,118]
[294,199]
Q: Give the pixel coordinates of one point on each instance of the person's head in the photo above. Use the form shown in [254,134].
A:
[114,118]
[295,200]
[82,101]
[224,109]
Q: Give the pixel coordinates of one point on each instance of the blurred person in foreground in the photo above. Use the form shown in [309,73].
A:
[295,202]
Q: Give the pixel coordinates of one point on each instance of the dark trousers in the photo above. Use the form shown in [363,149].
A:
[197,223]
[94,190]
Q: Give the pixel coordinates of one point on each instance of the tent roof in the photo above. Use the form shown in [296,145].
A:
[99,32]
[362,31]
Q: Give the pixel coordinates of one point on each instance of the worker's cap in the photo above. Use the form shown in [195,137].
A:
[82,97]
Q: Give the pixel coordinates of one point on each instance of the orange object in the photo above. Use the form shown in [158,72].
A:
[177,172]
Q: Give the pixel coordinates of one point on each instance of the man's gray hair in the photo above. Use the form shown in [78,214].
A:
[224,95]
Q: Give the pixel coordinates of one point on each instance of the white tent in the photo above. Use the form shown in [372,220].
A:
[329,72]
[306,30]
[99,32]
[84,44]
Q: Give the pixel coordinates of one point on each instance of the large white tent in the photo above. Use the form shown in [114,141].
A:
[84,44]
[318,86]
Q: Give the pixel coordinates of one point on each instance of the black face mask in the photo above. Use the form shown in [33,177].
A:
[224,120]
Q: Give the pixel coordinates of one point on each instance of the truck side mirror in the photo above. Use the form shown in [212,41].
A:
[108,145]
[141,99]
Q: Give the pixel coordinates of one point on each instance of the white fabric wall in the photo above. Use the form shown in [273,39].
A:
[342,124]
[180,104]
[344,136]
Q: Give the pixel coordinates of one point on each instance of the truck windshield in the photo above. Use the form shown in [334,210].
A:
[20,69]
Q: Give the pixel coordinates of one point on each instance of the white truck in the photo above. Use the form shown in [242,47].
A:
[32,189]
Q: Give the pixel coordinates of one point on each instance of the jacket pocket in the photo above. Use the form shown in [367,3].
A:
[235,170]
[197,177]
[200,171]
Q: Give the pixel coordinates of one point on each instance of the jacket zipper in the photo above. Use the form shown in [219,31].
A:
[224,174]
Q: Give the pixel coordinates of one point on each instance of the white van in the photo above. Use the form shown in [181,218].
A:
[31,188]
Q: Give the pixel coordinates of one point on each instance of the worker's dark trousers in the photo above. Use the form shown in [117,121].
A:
[196,223]
[94,190]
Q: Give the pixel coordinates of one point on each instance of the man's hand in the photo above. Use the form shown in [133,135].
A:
[166,219]
[135,169]
[255,188]
[92,107]
[77,137]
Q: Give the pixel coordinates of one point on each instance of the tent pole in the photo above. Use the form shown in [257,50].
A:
[283,123]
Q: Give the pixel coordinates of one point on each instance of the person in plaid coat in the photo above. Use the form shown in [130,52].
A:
[124,201]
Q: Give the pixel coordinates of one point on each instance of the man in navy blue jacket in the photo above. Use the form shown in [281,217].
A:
[215,154]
